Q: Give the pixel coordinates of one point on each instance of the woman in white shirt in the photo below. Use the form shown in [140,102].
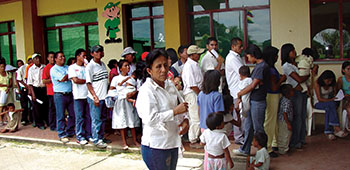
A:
[288,55]
[161,108]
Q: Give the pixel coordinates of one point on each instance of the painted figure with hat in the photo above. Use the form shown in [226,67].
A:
[112,13]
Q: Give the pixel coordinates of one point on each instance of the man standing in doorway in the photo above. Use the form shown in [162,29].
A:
[232,65]
[97,84]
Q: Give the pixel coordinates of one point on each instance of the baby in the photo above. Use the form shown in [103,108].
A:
[305,65]
[244,73]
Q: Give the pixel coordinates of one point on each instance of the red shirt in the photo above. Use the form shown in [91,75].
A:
[46,75]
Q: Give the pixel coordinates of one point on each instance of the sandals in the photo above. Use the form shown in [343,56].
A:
[331,137]
[341,134]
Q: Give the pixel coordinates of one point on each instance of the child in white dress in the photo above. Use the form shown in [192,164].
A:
[216,143]
[124,114]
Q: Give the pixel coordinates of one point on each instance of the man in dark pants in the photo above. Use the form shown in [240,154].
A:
[38,92]
[49,90]
[23,89]
[63,97]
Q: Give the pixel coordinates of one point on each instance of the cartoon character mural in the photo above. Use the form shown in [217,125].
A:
[112,13]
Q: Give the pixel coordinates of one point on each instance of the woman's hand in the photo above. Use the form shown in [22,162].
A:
[185,126]
[181,108]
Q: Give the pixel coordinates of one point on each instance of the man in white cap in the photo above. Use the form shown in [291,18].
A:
[192,79]
[38,92]
[129,55]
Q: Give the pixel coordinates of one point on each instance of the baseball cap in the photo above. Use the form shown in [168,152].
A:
[96,48]
[193,49]
[35,55]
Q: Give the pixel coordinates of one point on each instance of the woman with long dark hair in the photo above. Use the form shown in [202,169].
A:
[325,88]
[270,55]
[288,55]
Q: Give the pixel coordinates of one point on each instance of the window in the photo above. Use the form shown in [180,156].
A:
[8,42]
[145,25]
[70,32]
[225,19]
[330,31]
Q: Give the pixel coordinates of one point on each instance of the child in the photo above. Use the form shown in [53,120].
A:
[124,114]
[285,117]
[261,160]
[343,83]
[216,143]
[244,73]
[305,65]
[209,100]
[228,119]
[14,117]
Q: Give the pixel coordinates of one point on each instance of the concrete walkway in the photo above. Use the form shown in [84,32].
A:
[319,153]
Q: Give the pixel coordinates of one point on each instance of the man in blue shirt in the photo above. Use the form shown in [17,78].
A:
[63,98]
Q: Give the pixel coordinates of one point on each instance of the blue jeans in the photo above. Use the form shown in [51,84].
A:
[299,119]
[63,102]
[330,117]
[82,119]
[98,119]
[253,123]
[158,159]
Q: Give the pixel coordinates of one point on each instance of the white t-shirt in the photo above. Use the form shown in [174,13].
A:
[97,75]
[288,69]
[80,91]
[20,74]
[191,76]
[245,104]
[262,157]
[232,64]
[215,141]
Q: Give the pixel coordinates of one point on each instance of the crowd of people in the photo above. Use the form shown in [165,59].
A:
[195,95]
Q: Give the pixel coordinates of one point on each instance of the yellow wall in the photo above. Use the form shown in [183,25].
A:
[290,23]
[175,26]
[13,11]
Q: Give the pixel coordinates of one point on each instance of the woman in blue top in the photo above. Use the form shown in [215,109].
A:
[270,55]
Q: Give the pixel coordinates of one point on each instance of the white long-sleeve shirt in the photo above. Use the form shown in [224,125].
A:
[232,64]
[155,106]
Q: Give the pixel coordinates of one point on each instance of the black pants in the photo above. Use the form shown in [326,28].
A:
[26,117]
[40,111]
[52,113]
